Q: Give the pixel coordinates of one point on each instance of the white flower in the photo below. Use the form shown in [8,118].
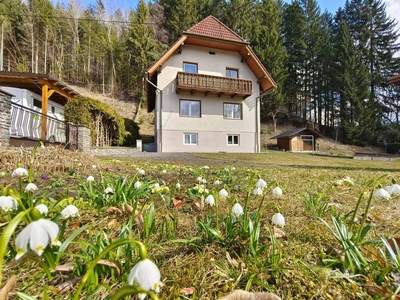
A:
[233,168]
[199,179]
[348,180]
[37,234]
[223,193]
[237,210]
[147,276]
[156,185]
[226,170]
[389,188]
[278,219]
[277,191]
[204,181]
[206,167]
[19,172]
[109,191]
[178,185]
[8,203]
[217,182]
[261,183]
[257,191]
[210,200]
[395,188]
[31,187]
[137,185]
[382,193]
[42,208]
[90,178]
[79,165]
[94,167]
[141,172]
[164,171]
[70,211]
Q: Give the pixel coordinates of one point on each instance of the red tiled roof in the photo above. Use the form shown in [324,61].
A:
[212,27]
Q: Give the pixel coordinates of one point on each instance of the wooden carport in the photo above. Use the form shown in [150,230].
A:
[41,84]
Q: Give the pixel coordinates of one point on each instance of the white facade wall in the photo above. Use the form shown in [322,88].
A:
[212,129]
[26,98]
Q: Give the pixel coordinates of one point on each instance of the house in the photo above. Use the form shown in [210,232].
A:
[205,92]
[395,79]
[298,139]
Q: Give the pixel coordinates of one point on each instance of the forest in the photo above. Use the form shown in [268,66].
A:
[331,69]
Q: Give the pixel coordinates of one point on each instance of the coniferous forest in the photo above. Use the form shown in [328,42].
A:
[331,70]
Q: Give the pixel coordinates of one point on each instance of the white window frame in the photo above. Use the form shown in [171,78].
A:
[191,135]
[231,115]
[189,64]
[190,115]
[232,138]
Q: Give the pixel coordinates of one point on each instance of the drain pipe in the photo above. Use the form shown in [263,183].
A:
[258,107]
[159,134]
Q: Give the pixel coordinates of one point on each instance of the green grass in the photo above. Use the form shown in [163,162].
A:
[304,261]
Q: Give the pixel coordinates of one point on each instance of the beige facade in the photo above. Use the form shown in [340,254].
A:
[214,132]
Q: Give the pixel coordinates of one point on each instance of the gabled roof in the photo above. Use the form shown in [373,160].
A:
[213,27]
[395,79]
[295,132]
[211,33]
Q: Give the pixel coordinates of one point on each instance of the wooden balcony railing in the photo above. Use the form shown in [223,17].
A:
[217,85]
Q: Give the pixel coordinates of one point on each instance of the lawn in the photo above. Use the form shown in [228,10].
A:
[337,240]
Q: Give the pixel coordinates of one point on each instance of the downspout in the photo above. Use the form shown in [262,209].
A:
[258,148]
[159,144]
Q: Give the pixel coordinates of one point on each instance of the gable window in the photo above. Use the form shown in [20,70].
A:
[232,111]
[190,67]
[189,108]
[233,139]
[190,138]
[233,73]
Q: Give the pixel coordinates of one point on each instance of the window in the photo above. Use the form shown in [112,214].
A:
[189,108]
[189,67]
[233,139]
[53,109]
[37,103]
[234,73]
[232,111]
[190,138]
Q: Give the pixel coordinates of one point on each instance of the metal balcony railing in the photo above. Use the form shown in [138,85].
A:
[217,85]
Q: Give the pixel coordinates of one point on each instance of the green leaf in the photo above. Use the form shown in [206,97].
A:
[25,296]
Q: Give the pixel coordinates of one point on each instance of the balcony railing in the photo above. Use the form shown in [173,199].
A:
[217,85]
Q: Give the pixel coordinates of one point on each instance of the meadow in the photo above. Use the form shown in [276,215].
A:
[298,226]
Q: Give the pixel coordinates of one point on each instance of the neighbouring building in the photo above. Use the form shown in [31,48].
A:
[395,80]
[205,92]
[298,139]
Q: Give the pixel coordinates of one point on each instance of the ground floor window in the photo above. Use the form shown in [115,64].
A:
[233,139]
[190,138]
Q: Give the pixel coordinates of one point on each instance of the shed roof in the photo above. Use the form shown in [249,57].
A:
[295,132]
[395,79]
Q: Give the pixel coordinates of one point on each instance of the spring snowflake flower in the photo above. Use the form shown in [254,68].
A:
[278,219]
[261,183]
[19,172]
[210,200]
[109,191]
[147,276]
[233,168]
[217,182]
[90,178]
[178,185]
[42,208]
[156,185]
[137,185]
[199,179]
[69,212]
[94,167]
[389,188]
[382,193]
[395,188]
[8,203]
[277,191]
[164,171]
[141,172]
[37,234]
[223,193]
[206,167]
[237,210]
[257,191]
[31,187]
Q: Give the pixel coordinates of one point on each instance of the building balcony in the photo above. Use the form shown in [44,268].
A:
[216,85]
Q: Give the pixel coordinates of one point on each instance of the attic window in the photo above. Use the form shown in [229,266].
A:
[212,53]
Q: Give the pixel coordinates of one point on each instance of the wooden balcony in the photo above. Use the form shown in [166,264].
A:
[217,85]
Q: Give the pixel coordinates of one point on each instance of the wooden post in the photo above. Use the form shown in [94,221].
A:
[46,94]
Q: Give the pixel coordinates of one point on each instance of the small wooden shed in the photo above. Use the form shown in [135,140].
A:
[298,139]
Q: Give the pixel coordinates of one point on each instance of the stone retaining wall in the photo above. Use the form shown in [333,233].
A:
[110,151]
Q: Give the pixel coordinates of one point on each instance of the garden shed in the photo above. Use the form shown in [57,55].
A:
[298,139]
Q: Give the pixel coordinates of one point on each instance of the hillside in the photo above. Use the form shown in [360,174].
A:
[127,107]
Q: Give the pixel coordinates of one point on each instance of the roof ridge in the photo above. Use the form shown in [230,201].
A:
[212,27]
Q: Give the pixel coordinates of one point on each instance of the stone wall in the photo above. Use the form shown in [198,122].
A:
[84,139]
[5,119]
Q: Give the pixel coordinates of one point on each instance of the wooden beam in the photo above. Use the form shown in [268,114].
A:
[220,94]
[245,58]
[46,94]
[261,79]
